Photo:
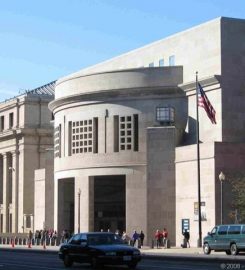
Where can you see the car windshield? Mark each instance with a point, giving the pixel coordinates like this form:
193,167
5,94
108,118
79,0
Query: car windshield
104,239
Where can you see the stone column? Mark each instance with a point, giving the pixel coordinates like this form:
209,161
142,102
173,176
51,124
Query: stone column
15,174
5,193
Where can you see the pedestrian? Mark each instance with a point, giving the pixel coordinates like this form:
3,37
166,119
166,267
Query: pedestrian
186,235
135,237
30,236
142,237
165,237
125,238
158,237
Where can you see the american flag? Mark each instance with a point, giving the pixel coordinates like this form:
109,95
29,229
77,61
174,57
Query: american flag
205,103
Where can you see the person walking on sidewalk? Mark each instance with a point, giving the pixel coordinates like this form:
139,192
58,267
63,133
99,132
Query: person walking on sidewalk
158,237
135,237
186,235
165,237
141,237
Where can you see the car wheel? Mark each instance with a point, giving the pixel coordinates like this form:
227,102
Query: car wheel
132,265
234,249
206,249
67,261
94,263
228,252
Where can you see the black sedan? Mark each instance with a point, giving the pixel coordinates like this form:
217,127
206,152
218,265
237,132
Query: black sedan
99,249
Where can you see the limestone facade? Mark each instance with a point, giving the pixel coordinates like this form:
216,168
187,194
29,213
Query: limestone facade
106,125
25,135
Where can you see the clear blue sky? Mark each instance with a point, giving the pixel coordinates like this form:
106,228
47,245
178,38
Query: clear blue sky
41,40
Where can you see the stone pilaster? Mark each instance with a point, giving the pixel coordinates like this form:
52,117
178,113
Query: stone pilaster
5,193
15,173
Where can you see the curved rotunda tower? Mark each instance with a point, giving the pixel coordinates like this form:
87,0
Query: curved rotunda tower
115,138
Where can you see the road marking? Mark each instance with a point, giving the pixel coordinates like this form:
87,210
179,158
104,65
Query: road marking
30,266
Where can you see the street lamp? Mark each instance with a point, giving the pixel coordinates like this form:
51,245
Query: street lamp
221,178
78,216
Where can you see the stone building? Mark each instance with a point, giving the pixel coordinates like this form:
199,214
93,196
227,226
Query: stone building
25,135
125,152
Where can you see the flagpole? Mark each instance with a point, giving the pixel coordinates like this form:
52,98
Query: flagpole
198,169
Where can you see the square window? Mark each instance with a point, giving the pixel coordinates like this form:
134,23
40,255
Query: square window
77,123
85,136
90,122
81,123
77,130
122,140
85,129
90,129
77,143
85,122
81,143
81,129
122,126
128,125
81,136
90,135
128,118
122,133
129,132
122,147
77,150
85,143
129,146
73,151
90,142
90,149
85,150
73,124
122,119
77,137
129,140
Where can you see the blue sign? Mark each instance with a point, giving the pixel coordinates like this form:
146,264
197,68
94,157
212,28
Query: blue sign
185,224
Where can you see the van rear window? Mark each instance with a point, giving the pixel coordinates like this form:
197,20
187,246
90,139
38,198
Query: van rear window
234,229
222,230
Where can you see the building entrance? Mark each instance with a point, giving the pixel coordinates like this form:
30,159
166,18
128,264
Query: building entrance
66,205
109,203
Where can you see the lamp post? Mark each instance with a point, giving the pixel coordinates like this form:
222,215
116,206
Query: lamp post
78,216
221,178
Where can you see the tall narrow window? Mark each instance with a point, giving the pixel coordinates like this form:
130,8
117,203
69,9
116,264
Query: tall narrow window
171,60
11,120
95,135
69,137
161,63
57,141
2,123
136,132
116,133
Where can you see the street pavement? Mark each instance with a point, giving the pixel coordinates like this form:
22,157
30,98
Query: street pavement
169,253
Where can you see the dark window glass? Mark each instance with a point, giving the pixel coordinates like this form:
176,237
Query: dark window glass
222,230
234,229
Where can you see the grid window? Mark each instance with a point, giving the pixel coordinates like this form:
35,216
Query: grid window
82,137
125,139
165,115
